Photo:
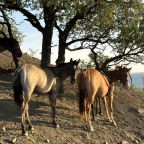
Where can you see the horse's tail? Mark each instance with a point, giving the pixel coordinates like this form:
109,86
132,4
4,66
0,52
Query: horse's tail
82,93
17,87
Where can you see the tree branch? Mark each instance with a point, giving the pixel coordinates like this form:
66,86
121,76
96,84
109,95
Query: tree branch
31,18
7,23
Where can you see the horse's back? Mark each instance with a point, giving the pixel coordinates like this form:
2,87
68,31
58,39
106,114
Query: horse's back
36,78
95,82
99,82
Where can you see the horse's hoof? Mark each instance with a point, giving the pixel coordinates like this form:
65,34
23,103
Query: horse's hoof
30,128
91,129
25,134
100,113
93,119
56,126
32,131
114,123
86,128
110,120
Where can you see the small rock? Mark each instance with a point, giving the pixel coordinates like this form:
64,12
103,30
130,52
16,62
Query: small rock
47,140
141,110
124,142
1,141
136,141
29,138
106,142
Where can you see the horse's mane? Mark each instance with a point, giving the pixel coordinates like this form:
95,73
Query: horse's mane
8,39
61,64
120,68
8,42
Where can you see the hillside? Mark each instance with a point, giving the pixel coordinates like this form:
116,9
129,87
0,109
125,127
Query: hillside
128,113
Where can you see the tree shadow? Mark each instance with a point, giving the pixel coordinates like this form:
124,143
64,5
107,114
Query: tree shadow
8,111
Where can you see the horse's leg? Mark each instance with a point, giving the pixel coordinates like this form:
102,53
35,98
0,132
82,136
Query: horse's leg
106,107
25,113
99,103
30,127
85,114
93,115
98,106
111,106
52,100
16,61
24,105
90,101
88,117
96,101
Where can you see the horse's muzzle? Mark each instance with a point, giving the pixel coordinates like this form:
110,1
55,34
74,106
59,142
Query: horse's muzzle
19,55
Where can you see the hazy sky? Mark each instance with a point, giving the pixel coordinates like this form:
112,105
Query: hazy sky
33,40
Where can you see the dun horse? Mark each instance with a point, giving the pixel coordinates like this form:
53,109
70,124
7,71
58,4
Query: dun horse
92,84
30,78
119,74
12,45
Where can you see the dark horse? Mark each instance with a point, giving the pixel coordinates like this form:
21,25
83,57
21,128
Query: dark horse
92,84
63,76
29,78
119,74
12,45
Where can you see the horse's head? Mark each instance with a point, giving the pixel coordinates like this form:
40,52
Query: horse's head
74,72
15,48
124,76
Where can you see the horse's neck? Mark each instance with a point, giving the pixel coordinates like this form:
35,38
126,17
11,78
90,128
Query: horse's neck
4,45
113,75
60,72
2,48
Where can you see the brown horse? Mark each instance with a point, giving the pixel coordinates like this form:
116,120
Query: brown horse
29,79
119,74
12,45
92,84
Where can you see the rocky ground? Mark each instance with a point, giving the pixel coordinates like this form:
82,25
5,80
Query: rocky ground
128,113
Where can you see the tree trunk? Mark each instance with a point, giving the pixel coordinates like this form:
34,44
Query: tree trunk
61,50
46,47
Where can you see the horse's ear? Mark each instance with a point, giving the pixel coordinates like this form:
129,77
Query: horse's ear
71,60
78,61
129,69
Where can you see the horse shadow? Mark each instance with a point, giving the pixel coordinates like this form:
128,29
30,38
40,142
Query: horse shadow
10,112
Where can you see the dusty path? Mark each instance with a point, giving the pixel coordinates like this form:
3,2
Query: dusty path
130,126
128,113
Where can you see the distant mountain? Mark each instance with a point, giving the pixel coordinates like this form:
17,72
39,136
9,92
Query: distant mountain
138,79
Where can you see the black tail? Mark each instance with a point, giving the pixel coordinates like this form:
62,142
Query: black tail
17,87
82,87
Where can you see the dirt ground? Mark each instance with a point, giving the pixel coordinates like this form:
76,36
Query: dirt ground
128,113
